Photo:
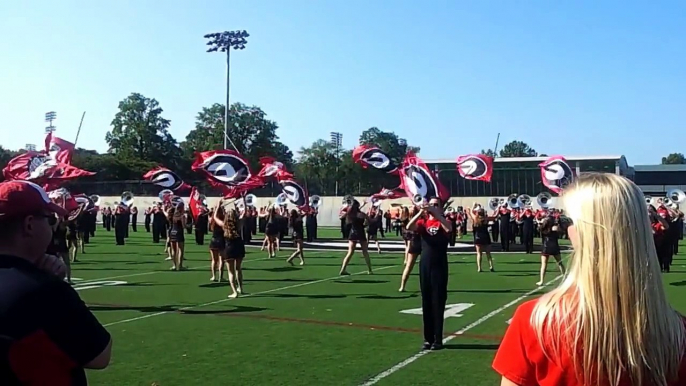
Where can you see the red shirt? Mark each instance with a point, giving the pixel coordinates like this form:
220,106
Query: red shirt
520,357
429,226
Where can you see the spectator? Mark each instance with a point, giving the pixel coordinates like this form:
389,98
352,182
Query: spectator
48,335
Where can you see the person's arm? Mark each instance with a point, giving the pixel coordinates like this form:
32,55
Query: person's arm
412,224
73,328
436,212
506,382
218,222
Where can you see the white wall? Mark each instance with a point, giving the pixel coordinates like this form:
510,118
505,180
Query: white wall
328,211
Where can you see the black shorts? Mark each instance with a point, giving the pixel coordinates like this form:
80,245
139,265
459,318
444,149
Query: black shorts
415,247
217,244
357,236
235,250
298,236
271,230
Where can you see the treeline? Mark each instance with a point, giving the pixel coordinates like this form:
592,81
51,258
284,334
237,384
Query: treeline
139,140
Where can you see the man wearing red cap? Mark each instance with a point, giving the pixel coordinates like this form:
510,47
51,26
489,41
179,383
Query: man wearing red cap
47,334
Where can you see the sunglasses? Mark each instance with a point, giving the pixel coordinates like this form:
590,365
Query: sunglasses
52,220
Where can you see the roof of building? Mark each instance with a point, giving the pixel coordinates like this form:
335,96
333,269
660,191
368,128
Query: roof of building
537,159
659,168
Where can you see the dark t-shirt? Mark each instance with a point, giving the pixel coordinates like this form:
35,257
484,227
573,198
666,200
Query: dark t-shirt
434,241
47,333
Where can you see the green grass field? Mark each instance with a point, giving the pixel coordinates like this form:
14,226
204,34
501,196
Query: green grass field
297,325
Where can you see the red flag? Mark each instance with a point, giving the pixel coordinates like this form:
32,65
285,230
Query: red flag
59,149
376,158
417,179
166,178
41,168
475,167
195,205
273,168
389,194
556,173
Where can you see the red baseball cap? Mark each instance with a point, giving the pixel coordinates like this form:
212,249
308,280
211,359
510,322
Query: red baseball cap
19,198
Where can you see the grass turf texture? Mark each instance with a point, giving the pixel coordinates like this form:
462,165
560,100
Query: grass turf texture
296,325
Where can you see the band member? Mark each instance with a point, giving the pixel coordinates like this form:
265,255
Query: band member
72,240
413,248
434,230
551,228
374,225
148,215
271,231
245,224
217,245
679,231
201,227
234,250
177,241
482,239
311,224
296,223
159,230
502,213
355,220
189,223
345,226
527,220
127,222
452,217
661,223
134,219
120,227
106,213
58,246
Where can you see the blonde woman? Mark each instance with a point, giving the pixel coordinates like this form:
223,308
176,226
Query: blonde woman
608,323
177,240
234,249
413,247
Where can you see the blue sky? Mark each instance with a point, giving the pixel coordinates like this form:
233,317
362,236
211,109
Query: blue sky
572,78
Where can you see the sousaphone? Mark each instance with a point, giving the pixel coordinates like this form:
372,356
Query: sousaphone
315,201
513,200
126,199
543,200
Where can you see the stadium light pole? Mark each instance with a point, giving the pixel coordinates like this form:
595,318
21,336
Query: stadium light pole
49,117
336,141
30,147
224,42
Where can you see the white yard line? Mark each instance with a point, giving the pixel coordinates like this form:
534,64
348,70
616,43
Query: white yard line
245,296
82,281
408,361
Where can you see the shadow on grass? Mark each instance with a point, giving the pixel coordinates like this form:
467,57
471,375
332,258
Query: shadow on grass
232,310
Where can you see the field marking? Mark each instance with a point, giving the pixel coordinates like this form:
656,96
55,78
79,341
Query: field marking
406,362
82,281
245,296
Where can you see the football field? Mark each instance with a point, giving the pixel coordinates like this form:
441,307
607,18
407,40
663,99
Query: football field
299,325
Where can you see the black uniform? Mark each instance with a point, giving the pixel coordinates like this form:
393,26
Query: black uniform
504,225
528,231
433,279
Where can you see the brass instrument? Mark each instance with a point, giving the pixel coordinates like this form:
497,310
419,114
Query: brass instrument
281,199
513,200
126,199
494,203
96,199
348,200
543,200
418,199
524,200
315,201
674,198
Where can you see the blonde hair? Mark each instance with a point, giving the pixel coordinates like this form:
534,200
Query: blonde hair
611,311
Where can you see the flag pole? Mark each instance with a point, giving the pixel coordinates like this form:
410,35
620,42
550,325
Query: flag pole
79,131
495,149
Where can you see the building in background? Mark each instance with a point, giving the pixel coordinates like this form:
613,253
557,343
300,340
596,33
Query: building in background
520,175
656,180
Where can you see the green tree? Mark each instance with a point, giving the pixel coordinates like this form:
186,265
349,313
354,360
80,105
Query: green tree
387,141
140,132
249,129
518,149
488,152
674,159
316,166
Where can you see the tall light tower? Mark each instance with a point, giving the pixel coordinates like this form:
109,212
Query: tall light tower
224,42
337,141
49,117
30,147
